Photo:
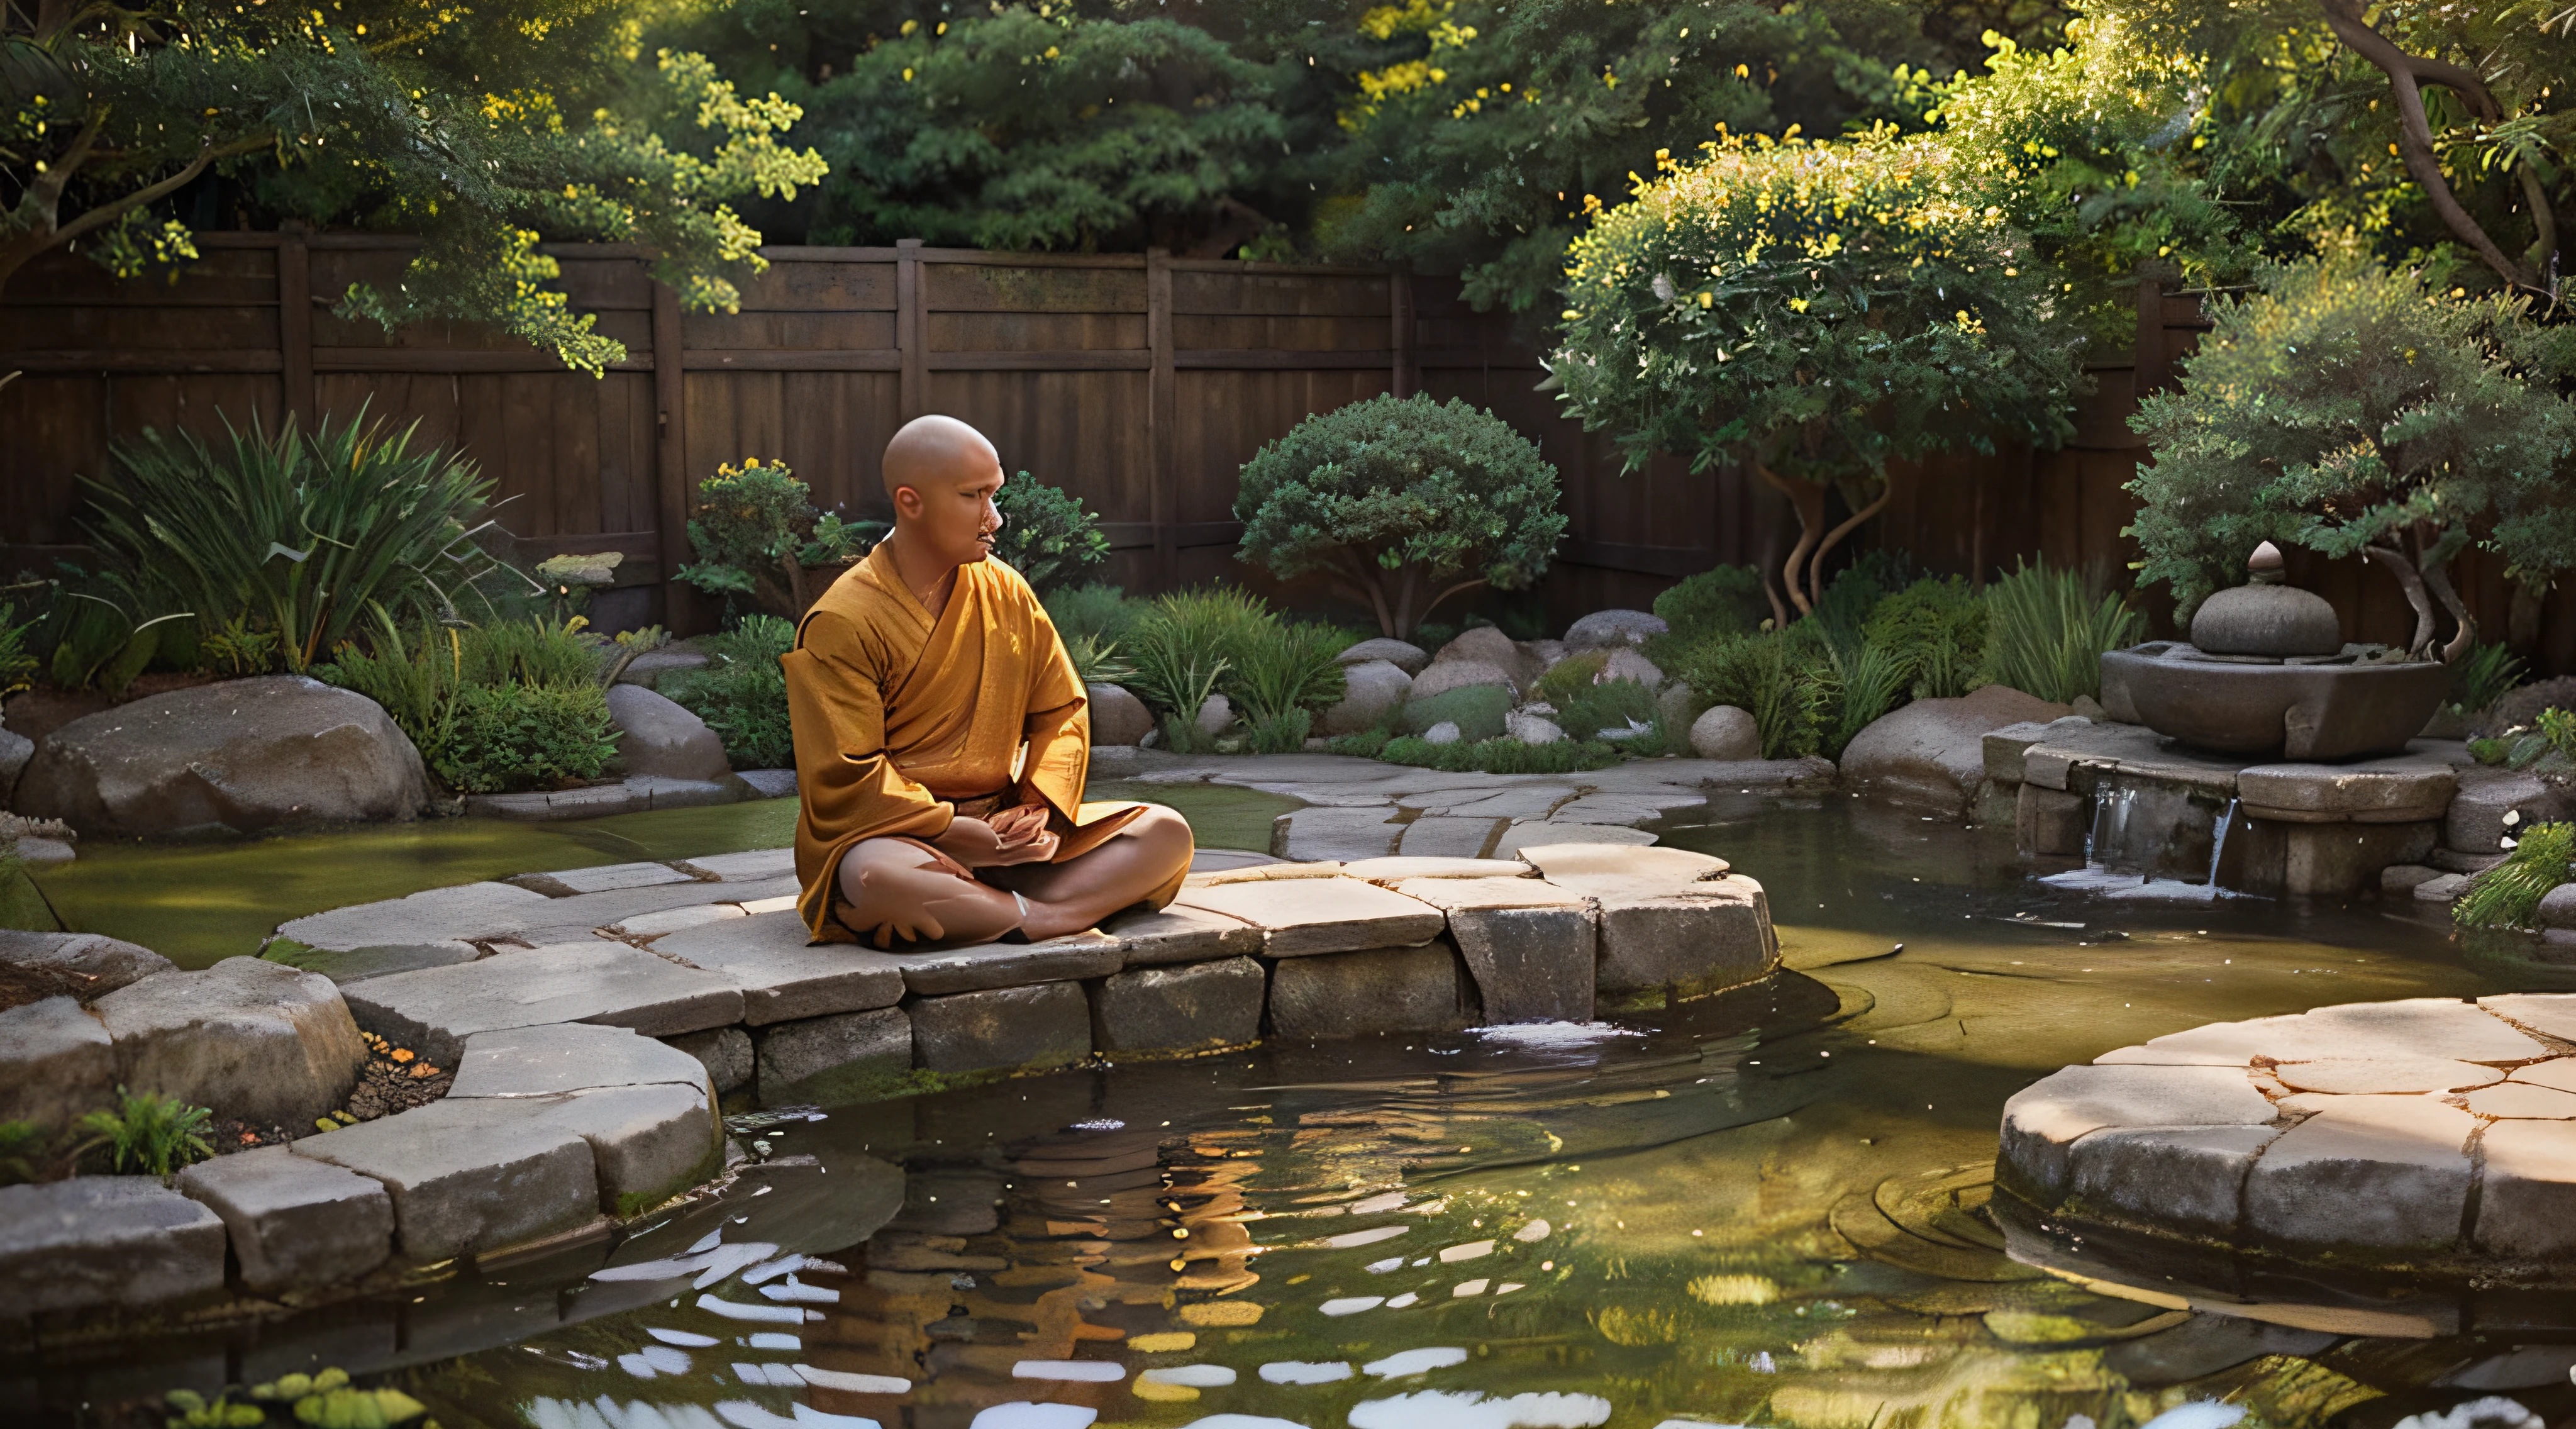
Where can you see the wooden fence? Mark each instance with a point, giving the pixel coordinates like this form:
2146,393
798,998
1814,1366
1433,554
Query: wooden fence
1138,383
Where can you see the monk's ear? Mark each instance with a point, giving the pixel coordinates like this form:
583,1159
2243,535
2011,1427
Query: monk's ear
907,502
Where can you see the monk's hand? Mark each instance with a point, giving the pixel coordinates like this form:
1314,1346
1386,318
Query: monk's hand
1019,825
977,844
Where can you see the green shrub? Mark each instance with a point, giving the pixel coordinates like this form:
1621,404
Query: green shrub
1569,677
22,1149
1872,680
2509,894
2478,679
1098,664
1938,627
17,663
1046,535
1286,669
755,530
300,536
741,692
1728,600
1401,503
1103,612
514,736
503,706
1477,710
1611,704
533,651
2046,632
1499,756
416,682
148,1133
1783,678
1367,744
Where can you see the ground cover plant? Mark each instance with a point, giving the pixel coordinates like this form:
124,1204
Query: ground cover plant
2046,632
1189,645
2508,895
147,1134
741,692
497,707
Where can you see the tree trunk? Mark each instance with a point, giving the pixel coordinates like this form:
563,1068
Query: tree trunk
2413,584
1833,538
1809,501
2433,559
2522,625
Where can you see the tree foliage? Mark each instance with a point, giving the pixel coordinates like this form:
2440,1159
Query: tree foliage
2357,411
1401,502
479,129
1813,312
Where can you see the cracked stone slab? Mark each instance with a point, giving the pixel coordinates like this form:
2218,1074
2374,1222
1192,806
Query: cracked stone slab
2186,1177
1318,833
1299,917
2552,1014
2367,1075
436,1009
296,1223
2400,789
782,979
2527,1197
647,1142
465,911
1180,934
608,878
1071,958
1264,873
2521,1101
1642,807
568,919
672,920
1521,837
1388,872
2425,1026
2559,1073
469,1175
1437,836
749,866
2386,1174
1529,803
98,1241
2044,1120
1594,868
570,1057
350,965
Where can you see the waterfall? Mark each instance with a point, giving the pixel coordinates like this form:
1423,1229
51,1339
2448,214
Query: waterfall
2218,843
2109,831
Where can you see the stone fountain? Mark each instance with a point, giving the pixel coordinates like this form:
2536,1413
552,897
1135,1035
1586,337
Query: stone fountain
2267,674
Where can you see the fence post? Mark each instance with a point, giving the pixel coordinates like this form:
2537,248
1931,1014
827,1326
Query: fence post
2152,367
1159,436
1399,306
671,453
909,328
295,325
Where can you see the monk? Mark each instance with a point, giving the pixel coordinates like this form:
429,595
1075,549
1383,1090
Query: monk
943,737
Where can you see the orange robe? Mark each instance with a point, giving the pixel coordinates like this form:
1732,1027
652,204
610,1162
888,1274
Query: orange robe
898,717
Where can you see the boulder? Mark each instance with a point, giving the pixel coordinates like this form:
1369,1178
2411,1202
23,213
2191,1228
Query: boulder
1117,717
250,1038
1605,628
98,1241
1403,655
1541,654
2521,707
56,1064
2476,820
237,757
85,965
1680,705
1726,733
1215,715
659,737
1627,664
15,750
1371,692
1442,676
1445,732
1484,644
296,1223
1531,728
1932,753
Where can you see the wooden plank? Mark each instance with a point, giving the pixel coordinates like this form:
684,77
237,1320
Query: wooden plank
1114,360
792,332
455,360
670,465
1280,360
295,328
1355,293
866,285
1160,427
908,332
1399,312
139,360
706,359
1032,288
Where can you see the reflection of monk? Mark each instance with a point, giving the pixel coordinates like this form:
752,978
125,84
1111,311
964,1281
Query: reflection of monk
942,737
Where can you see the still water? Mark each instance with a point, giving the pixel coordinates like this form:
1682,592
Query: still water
1761,1208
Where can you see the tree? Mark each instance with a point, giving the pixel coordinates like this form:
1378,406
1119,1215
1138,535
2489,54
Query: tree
481,129
2356,411
1814,312
1401,503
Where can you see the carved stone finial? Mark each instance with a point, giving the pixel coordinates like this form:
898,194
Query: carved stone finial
2265,566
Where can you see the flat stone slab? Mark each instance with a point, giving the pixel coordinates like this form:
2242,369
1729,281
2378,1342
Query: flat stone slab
2527,1195
1539,834
1005,1028
2043,1120
1180,934
470,1175
1601,869
85,966
749,866
1313,833
845,1057
2422,1026
2071,757
436,1009
1389,872
2380,1174
1301,917
1357,994
569,1057
465,911
607,878
1452,894
56,1064
2399,789
725,1052
647,1143
1440,836
782,979
989,965
2552,1014
1530,961
94,1242
1191,1007
769,783
1700,938
250,1038
348,965
2367,1075
296,1223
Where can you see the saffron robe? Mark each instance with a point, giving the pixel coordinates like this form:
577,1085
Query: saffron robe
899,717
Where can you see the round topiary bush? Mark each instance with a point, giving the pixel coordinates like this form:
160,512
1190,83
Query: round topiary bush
1401,502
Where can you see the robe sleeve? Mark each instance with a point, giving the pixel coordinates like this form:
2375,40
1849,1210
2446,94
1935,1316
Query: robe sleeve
1058,728
850,788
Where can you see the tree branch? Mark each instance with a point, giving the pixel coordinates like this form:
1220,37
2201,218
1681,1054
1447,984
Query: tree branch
2435,563
1808,500
1833,538
1434,602
2413,584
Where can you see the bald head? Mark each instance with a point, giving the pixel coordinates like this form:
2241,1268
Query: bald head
935,452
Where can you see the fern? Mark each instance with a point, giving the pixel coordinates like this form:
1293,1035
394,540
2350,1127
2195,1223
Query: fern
2509,894
149,1133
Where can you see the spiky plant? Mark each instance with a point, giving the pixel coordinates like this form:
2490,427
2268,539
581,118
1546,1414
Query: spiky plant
2509,894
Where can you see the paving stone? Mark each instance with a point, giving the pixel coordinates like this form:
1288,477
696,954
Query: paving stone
1190,1008
2045,1119
1658,949
1434,836
1217,860
572,919
250,1038
569,1057
2552,1014
436,1009
296,1223
1384,990
2521,1101
2559,1073
781,978
466,911
2184,1178
1321,915
1628,809
1071,958
2362,1075
725,1052
646,926
2375,1174
1535,802
845,1057
769,783
98,1241
1534,834
470,1174
1388,872
344,966
56,1064
1607,868
2527,1197
1012,1027
2424,1026
1180,934
1320,833
2400,880
750,866
552,805
1530,964
2387,791
84,965
647,1143
2007,748
2074,755
609,878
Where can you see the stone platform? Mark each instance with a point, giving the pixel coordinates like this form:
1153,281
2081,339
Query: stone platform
2426,1137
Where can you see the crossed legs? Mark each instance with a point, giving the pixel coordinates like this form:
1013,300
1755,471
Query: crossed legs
893,890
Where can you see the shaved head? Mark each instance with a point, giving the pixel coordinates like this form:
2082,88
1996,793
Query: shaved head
937,450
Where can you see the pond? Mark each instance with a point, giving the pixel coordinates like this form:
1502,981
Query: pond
1755,1209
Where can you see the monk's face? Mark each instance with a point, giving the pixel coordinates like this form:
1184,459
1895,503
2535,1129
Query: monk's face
948,511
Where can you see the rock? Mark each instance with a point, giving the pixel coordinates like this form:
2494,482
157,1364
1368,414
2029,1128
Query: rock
781,978
1530,946
2089,709
2445,888
1012,1027
1534,833
45,853
1627,664
454,913
769,783
2365,1073
608,878
250,1038
757,865
2330,860
2374,1173
2044,1120
2404,789
1445,732
2527,1198
1179,934
1605,868
1372,691
846,1057
470,1175
2271,620
647,1143
1605,628
2184,1177
238,757
1403,655
2008,748
1382,990
1931,753
15,750
1681,706
296,1223
56,1064
1660,949
1215,715
1117,717
1074,956
1435,836
1170,1010
1482,645
93,1242
2049,822
2520,708
435,1009
1326,832
2401,879
651,667
86,966
1725,732
661,738
2475,822
2550,1014
1304,916
725,1052
2558,907
570,1057
345,966
1442,676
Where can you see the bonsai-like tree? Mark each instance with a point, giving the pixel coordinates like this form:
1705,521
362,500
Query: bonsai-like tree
1814,312
2350,409
1401,503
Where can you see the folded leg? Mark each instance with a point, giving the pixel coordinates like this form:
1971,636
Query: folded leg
1143,862
895,890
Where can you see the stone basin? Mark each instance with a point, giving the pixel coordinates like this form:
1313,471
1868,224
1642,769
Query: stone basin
2298,711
